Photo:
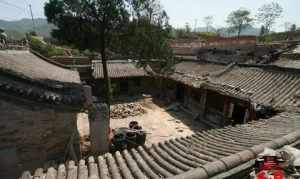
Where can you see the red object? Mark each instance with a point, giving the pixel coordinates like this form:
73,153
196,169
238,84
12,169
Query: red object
277,174
270,168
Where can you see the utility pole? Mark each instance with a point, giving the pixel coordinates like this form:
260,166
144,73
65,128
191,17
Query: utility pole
32,17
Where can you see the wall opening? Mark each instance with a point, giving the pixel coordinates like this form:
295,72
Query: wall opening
238,114
180,93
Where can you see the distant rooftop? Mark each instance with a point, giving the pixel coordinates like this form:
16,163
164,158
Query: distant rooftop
119,69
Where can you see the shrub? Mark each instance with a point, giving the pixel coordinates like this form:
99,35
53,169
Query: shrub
45,49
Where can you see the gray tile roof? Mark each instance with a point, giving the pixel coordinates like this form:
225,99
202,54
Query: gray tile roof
201,155
266,84
26,76
30,66
118,69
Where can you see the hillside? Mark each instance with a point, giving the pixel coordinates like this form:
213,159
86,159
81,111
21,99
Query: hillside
17,29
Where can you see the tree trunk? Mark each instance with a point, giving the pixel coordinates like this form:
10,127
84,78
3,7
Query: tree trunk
105,71
106,77
239,31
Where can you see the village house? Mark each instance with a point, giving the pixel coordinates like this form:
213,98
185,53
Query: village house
39,103
127,78
218,95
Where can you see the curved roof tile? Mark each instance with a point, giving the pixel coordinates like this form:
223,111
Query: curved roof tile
225,147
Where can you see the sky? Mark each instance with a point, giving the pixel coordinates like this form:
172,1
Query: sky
179,11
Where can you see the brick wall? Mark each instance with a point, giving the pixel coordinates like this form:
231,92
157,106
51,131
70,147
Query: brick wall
31,135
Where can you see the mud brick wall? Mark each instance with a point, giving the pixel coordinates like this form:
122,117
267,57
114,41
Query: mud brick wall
31,135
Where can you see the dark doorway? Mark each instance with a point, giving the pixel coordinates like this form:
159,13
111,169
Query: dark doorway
124,86
238,114
180,93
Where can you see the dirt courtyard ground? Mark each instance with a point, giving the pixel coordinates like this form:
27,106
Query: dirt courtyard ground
159,123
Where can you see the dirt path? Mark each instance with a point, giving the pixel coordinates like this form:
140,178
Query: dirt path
159,124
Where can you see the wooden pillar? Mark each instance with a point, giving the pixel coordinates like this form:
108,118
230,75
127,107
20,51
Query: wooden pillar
203,103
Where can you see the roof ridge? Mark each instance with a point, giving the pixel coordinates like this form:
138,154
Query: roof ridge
271,67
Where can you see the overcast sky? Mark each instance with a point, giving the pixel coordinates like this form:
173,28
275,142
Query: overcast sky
180,11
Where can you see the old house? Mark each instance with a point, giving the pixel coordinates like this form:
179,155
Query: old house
127,78
39,102
231,94
216,105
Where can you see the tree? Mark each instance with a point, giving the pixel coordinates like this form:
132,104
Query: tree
262,30
146,35
238,20
99,25
268,13
208,21
293,28
88,24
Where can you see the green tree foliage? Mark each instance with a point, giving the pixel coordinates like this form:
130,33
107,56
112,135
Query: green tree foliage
238,20
146,35
268,13
99,25
293,28
43,48
262,30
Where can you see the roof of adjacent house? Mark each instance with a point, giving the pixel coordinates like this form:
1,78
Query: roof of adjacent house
200,74
287,62
119,69
26,76
202,155
264,84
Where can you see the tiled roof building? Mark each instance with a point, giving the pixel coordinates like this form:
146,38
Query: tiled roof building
39,102
118,69
201,155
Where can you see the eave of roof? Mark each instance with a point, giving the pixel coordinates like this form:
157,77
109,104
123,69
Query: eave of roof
202,155
22,80
29,66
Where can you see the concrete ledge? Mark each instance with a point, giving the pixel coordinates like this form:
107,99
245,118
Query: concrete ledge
272,145
198,173
246,155
231,161
292,137
257,149
214,168
281,141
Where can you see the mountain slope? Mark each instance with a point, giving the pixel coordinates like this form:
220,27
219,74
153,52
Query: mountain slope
17,29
